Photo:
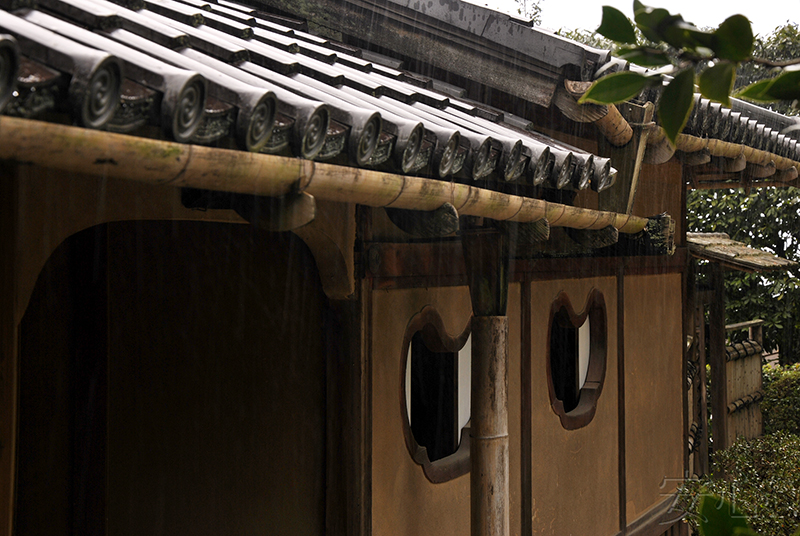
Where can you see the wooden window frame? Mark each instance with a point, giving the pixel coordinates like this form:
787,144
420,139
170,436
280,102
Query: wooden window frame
429,323
595,310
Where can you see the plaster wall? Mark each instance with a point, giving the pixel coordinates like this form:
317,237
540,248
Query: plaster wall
574,473
653,390
404,501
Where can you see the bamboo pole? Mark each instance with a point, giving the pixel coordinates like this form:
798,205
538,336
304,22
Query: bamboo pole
607,118
691,144
489,486
79,150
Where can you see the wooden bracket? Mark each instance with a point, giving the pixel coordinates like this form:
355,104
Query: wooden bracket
626,159
436,223
593,239
331,239
276,214
269,213
524,233
657,238
327,228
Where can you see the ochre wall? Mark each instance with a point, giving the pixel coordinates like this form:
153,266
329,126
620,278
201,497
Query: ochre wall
404,501
653,390
574,488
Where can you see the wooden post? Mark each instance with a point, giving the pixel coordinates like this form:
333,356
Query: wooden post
349,467
486,257
8,346
701,455
719,374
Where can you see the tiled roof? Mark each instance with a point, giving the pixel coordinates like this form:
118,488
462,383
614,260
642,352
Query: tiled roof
718,247
220,73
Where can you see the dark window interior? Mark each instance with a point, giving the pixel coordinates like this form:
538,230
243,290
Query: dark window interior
434,399
564,359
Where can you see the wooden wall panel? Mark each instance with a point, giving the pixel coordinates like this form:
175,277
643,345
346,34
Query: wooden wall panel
216,382
574,473
653,390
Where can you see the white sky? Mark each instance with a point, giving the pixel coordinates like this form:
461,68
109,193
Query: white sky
765,15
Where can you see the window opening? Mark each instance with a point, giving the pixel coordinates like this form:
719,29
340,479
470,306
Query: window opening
437,379
434,399
577,358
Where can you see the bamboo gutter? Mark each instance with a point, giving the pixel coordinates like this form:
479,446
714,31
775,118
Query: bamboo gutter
159,162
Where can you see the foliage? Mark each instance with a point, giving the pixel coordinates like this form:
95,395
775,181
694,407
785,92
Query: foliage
684,50
586,37
765,218
762,482
782,45
781,405
718,517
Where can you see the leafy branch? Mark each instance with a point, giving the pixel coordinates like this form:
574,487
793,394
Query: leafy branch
698,60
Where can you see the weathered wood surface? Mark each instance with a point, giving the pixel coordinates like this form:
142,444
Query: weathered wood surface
719,247
719,370
692,144
157,162
8,352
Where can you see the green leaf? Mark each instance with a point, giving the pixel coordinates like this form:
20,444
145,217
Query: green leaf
716,83
654,22
616,26
719,517
785,86
676,104
756,92
681,34
734,39
646,57
618,87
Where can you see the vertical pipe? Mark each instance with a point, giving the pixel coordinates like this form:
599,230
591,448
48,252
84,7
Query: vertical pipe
489,432
487,260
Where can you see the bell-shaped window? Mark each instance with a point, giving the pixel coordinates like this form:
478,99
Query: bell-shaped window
577,348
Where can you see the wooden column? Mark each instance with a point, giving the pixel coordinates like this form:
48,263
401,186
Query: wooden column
716,345
701,454
486,256
8,344
349,455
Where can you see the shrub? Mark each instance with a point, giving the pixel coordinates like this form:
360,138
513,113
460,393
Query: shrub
781,405
763,482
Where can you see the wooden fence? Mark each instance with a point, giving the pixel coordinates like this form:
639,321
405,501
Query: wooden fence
731,408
